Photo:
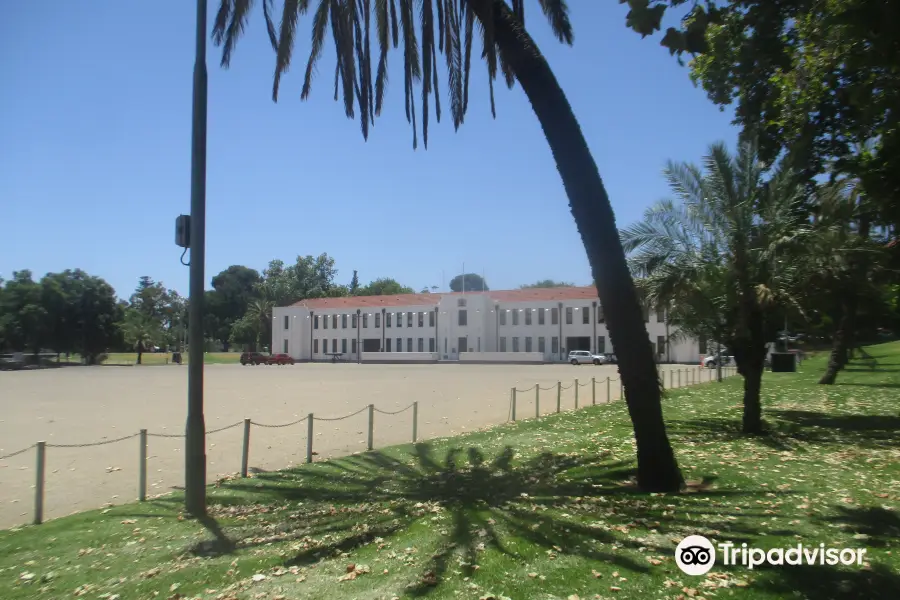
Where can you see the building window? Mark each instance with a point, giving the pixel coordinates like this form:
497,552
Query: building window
660,344
445,346
554,316
353,346
387,319
431,344
431,319
388,343
421,345
399,319
409,344
334,321
515,343
541,316
324,321
528,344
515,315
421,319
460,302
316,322
660,314
601,344
601,318
503,344
554,344
542,345
463,318
287,322
285,347
344,321
528,316
502,316
334,345
365,320
409,319
568,315
315,346
585,315
399,342
344,345
702,344
354,321
325,346
377,320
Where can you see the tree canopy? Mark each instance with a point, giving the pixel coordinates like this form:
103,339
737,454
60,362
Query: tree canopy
468,282
547,283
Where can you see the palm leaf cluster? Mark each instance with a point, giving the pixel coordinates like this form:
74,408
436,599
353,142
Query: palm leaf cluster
421,29
724,242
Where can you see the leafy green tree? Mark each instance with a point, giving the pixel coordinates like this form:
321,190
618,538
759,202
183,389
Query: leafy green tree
468,282
448,27
814,78
354,284
233,290
141,331
24,319
724,249
546,283
384,286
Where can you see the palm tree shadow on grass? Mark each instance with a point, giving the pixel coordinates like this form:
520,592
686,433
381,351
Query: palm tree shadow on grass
571,504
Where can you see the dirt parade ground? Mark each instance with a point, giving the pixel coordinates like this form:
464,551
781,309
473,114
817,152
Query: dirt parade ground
84,405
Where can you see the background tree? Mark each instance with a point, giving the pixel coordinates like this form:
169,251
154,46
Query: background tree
468,282
384,286
717,251
24,318
233,290
354,283
448,27
546,283
141,331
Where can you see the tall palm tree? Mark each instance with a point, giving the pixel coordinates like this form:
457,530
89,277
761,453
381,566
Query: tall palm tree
259,311
448,27
719,255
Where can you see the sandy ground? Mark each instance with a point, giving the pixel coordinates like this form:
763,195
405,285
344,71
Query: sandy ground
77,405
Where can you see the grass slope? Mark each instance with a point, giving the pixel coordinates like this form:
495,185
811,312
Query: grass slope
531,510
161,358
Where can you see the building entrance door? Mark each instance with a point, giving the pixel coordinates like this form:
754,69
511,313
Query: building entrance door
463,343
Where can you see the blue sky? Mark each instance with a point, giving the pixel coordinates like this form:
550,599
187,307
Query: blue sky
95,160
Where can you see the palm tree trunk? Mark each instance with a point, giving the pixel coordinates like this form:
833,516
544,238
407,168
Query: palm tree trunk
842,338
657,468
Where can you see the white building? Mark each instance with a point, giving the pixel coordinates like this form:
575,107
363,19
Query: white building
527,325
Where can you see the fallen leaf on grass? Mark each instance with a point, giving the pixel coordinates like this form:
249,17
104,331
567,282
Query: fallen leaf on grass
151,573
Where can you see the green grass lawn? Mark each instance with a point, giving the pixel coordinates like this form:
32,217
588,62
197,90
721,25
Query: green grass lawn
160,358
532,510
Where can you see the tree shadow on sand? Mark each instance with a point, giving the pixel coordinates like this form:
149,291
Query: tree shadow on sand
578,505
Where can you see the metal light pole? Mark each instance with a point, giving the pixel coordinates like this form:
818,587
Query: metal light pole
195,430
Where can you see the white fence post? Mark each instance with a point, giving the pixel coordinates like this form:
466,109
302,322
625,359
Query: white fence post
245,451
512,397
558,396
415,421
593,391
142,466
309,438
537,400
39,483
576,394
369,443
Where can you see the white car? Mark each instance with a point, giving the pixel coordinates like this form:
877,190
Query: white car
710,361
584,357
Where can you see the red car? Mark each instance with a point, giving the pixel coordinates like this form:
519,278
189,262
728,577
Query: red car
280,359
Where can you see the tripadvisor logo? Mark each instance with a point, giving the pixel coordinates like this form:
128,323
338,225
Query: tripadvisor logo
696,555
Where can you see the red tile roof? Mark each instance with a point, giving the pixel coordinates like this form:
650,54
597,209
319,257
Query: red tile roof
523,295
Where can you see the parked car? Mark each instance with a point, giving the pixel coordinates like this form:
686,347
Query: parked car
584,357
253,358
712,360
280,359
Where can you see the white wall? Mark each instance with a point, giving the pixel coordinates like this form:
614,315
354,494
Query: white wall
535,357
390,357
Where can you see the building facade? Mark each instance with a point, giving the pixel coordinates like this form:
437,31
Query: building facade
540,324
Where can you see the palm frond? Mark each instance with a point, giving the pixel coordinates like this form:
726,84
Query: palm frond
557,13
290,14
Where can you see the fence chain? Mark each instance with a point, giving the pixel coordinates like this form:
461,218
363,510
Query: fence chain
103,443
166,435
526,390
396,412
278,426
550,387
566,387
18,452
584,384
341,418
224,428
